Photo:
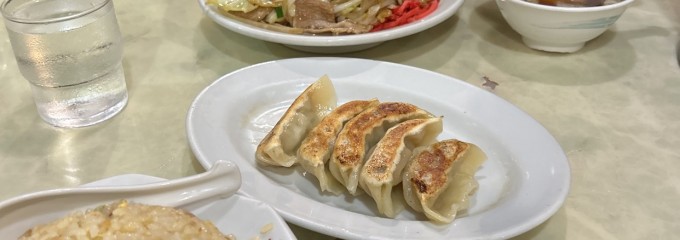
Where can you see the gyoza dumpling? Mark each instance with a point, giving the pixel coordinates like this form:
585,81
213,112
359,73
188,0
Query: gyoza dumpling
279,147
316,148
384,166
361,133
440,178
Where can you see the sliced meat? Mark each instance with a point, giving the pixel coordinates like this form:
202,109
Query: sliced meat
317,17
310,13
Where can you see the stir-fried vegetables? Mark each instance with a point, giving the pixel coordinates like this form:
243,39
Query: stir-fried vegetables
233,5
327,16
362,11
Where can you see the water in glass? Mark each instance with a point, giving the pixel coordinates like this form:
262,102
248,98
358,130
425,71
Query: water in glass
74,65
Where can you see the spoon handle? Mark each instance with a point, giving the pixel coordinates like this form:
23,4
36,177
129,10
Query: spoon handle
222,180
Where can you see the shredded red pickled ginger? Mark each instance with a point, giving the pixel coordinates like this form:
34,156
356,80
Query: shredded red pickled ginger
407,12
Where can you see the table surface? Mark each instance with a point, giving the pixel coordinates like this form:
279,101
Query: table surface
614,107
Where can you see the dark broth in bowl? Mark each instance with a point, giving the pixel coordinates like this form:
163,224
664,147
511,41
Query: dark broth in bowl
575,3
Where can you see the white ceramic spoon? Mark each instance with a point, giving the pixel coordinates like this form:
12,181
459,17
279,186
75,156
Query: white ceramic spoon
23,212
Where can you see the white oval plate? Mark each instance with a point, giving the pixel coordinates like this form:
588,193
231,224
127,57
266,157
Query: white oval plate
237,215
523,182
334,44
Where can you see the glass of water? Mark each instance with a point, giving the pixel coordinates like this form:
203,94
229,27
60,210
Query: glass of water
71,53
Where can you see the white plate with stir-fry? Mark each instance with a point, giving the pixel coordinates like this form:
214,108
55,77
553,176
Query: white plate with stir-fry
329,26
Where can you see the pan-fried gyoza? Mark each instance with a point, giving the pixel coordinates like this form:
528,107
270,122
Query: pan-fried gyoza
388,150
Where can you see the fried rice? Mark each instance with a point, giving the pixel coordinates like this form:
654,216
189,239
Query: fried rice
126,220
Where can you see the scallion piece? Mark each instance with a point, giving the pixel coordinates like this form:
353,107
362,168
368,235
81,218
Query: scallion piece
279,12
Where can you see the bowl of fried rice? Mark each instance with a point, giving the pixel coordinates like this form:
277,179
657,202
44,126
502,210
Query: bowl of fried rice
90,215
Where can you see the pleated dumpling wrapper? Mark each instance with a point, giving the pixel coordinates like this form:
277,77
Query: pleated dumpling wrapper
440,179
383,168
279,147
316,148
361,133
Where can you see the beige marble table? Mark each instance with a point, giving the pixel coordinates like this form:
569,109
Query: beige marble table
614,107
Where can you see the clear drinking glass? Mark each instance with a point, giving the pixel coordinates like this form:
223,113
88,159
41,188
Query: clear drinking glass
71,53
